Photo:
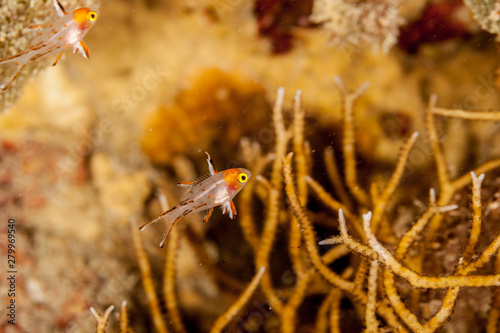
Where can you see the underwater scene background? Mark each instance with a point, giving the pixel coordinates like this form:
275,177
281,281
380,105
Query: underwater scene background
379,108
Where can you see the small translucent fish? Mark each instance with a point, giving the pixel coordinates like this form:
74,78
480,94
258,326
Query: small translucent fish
218,189
55,37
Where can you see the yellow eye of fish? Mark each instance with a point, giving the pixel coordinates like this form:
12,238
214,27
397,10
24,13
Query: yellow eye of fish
92,16
242,177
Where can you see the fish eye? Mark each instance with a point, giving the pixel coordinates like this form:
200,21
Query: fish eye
92,16
242,177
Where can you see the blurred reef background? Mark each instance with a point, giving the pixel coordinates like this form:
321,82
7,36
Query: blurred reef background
87,146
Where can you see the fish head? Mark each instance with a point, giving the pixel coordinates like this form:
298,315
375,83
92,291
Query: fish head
85,18
236,178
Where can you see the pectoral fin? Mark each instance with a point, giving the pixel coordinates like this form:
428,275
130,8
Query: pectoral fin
83,49
229,208
233,210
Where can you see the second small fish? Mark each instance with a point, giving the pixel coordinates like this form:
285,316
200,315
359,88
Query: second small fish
218,189
55,37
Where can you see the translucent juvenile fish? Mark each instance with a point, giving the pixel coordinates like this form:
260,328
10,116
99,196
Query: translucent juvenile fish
218,189
55,37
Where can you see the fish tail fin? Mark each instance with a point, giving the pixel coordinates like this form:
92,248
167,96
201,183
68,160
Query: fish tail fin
9,70
161,226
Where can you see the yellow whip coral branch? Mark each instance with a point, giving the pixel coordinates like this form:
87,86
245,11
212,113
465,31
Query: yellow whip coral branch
309,239
448,187
333,204
169,276
442,168
147,281
252,151
322,315
331,303
465,179
378,252
470,115
410,236
227,316
370,318
468,266
301,164
494,315
288,318
451,295
333,173
335,311
298,147
420,281
449,299
448,302
388,191
124,318
308,231
271,221
101,320
477,219
348,140
445,185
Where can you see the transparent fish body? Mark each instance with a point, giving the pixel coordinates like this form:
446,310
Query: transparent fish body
218,189
67,31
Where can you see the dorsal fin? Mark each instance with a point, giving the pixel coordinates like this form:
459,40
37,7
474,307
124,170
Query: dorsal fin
191,183
211,166
59,8
186,186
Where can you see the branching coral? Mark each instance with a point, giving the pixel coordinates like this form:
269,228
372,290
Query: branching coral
385,274
375,252
102,321
148,283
